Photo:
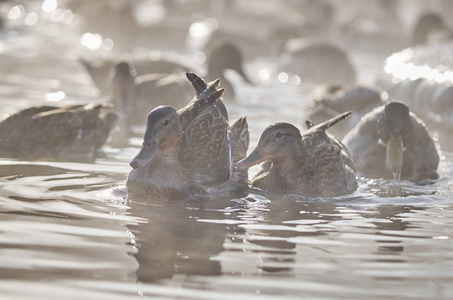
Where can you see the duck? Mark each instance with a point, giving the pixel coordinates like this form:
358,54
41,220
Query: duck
102,70
68,133
392,142
222,56
135,95
430,27
330,100
226,55
318,61
189,153
312,164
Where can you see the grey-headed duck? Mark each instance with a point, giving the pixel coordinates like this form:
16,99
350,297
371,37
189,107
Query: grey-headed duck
189,153
311,164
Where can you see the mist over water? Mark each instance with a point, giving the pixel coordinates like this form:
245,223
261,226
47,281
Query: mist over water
69,231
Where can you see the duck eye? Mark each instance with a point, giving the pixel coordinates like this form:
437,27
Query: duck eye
166,122
278,135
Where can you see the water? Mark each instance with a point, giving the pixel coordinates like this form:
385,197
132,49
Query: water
67,232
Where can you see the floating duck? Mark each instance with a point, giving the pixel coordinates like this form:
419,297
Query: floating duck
223,56
134,96
430,27
312,164
392,140
329,101
188,153
69,133
317,61
226,56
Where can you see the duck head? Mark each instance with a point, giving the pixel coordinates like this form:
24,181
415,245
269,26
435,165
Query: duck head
394,128
279,143
226,56
122,85
163,133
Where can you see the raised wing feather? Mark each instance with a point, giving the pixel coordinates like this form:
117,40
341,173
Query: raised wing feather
206,148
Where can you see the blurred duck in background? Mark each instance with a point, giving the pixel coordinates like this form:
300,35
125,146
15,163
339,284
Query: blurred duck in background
430,27
372,25
312,164
392,141
328,101
317,61
69,133
152,71
261,28
189,152
134,96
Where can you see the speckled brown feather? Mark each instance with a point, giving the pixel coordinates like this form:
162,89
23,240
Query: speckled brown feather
312,164
71,133
327,166
201,156
205,145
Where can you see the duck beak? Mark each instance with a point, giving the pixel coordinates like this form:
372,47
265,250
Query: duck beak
394,154
144,156
258,155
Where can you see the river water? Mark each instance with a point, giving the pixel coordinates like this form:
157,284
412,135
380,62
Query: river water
67,232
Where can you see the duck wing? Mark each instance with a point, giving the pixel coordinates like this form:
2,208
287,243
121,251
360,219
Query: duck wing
206,95
326,124
206,146
329,167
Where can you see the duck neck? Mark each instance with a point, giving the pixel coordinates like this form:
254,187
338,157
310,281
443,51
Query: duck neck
287,166
163,177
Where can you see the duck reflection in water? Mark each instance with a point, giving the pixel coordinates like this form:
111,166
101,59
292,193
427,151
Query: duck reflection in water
188,153
173,241
313,164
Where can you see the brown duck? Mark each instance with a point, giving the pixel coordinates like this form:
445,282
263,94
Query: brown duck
392,140
190,152
313,164
69,133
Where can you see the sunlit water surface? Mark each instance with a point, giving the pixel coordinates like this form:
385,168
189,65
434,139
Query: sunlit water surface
67,232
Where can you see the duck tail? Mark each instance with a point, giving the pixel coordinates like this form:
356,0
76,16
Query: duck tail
208,92
205,95
309,124
329,123
240,139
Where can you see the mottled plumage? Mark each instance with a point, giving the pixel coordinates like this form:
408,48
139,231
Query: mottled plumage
312,164
369,144
186,151
70,133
